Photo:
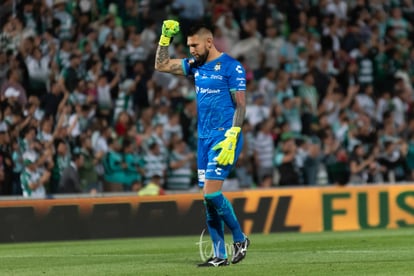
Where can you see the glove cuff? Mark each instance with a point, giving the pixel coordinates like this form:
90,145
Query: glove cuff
164,40
233,132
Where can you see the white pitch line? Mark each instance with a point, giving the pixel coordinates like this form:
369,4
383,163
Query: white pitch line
68,255
375,251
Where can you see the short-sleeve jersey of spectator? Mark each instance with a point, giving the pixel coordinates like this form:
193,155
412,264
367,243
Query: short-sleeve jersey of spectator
214,83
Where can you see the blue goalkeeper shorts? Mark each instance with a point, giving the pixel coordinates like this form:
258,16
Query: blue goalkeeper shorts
207,166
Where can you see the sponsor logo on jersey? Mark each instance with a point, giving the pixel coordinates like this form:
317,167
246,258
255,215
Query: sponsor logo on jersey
216,77
218,171
239,69
207,90
217,67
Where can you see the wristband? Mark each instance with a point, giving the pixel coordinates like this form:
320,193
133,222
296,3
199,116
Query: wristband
164,40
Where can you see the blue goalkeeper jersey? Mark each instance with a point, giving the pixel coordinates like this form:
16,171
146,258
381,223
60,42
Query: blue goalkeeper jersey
214,82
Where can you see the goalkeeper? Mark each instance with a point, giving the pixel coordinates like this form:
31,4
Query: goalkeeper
220,84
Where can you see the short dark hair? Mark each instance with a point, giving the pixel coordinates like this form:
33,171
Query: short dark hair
200,27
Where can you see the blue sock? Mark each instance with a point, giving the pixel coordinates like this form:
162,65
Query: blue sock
215,227
226,212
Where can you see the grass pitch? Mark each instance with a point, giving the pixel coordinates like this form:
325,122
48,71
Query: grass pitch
368,252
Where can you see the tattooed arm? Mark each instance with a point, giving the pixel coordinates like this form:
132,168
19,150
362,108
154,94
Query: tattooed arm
240,99
163,63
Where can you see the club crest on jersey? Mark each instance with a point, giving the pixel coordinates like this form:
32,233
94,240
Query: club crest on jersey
217,67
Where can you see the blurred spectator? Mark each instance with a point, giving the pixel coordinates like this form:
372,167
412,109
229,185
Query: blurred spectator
161,113
4,67
283,88
291,112
113,167
188,123
144,123
331,39
172,128
13,88
149,36
63,19
45,134
141,92
135,50
39,71
122,124
360,165
293,9
309,99
51,101
245,165
366,101
352,38
94,69
393,158
349,76
398,22
62,159
134,167
34,177
79,120
338,8
258,111
272,44
70,74
18,167
312,161
88,174
70,182
410,155
6,162
154,162
335,159
153,187
267,85
264,152
229,27
365,65
180,166
250,47
104,99
286,162
289,50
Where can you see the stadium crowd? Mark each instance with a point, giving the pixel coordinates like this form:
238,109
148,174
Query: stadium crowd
329,94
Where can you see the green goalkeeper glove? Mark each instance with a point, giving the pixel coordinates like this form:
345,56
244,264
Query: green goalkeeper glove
227,146
169,29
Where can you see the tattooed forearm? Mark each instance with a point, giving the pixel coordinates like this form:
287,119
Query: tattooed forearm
240,113
163,62
162,56
176,68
